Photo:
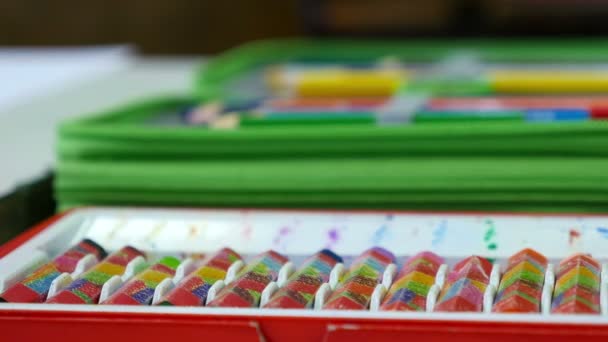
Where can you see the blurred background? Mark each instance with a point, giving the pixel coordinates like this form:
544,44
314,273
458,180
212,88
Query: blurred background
205,27
50,71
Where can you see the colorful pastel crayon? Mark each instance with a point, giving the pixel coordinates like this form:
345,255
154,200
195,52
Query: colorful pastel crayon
465,286
299,292
521,286
577,286
35,287
193,289
140,289
413,283
355,291
246,290
87,288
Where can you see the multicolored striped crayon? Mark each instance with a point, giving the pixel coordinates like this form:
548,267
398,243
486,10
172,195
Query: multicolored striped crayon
87,288
140,289
577,286
299,292
356,290
521,287
246,290
413,284
35,287
465,285
193,289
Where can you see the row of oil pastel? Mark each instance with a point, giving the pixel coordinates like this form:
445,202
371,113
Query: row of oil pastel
424,282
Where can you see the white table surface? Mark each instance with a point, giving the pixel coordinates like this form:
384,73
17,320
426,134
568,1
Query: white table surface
27,128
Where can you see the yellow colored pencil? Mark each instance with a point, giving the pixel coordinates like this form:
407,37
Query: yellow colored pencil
549,81
338,82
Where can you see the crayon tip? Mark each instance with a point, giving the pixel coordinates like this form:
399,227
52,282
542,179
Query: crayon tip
332,255
101,250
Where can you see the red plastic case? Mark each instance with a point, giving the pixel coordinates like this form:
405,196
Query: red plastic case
453,235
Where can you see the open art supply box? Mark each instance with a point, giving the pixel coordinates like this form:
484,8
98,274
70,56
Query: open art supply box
297,234
144,153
